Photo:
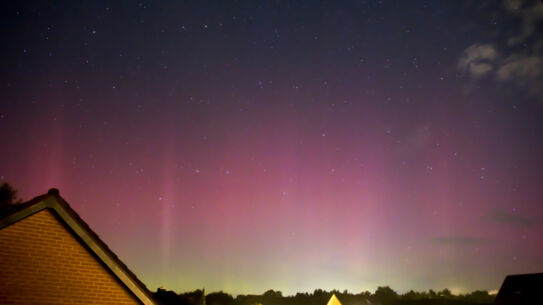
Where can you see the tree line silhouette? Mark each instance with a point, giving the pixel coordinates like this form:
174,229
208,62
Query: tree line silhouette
383,296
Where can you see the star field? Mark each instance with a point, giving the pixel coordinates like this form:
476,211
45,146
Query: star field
294,145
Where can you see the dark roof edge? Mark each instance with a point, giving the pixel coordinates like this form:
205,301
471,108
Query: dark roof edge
524,274
61,208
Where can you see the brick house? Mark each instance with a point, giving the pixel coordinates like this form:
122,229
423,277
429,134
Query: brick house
48,255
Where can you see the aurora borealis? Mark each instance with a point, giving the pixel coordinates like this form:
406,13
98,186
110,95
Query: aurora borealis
245,146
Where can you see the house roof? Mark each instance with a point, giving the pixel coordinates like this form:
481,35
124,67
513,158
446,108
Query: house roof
520,289
56,204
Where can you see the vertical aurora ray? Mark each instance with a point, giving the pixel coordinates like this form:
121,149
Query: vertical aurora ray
166,202
46,155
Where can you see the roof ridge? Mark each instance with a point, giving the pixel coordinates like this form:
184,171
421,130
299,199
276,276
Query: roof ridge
78,227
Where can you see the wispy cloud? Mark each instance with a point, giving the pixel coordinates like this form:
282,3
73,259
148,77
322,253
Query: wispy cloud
520,67
458,240
525,71
478,59
515,64
531,13
513,219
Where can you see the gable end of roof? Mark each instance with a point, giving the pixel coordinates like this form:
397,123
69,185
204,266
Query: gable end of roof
82,232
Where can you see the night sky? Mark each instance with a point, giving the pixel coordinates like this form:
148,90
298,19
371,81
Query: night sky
290,145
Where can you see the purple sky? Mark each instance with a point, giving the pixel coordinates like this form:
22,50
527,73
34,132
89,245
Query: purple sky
286,145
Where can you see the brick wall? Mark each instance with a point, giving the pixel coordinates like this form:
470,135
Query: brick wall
41,262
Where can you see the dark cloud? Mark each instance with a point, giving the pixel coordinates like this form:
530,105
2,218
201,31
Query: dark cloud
504,217
458,240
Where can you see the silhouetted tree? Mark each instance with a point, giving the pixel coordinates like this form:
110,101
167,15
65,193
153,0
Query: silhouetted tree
411,295
8,198
479,296
273,294
445,293
385,293
219,298
318,292
167,297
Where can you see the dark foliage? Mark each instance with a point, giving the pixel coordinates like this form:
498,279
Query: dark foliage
170,297
8,198
382,296
220,298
